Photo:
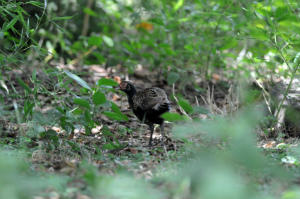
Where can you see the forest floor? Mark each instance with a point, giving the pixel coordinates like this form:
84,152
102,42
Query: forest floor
133,136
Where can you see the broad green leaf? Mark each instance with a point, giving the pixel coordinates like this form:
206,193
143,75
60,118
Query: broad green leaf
50,134
108,41
172,117
82,102
107,82
106,104
40,117
99,98
229,42
89,12
178,5
99,56
78,79
172,78
115,116
61,110
24,85
95,41
185,105
67,126
115,108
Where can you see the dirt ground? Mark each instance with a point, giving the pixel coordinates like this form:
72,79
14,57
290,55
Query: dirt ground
131,135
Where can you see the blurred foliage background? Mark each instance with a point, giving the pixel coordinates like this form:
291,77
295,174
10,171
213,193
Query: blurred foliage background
182,41
185,37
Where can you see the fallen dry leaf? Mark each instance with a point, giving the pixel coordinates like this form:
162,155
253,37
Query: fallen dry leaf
270,144
71,136
216,76
133,150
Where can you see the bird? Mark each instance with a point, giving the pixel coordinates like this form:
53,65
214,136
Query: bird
147,105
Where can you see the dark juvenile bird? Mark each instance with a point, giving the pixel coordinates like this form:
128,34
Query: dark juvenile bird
147,105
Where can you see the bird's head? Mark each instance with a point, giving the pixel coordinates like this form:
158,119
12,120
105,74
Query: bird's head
126,87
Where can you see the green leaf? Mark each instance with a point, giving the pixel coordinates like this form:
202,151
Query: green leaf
10,24
99,98
38,50
78,79
106,131
61,18
229,43
178,5
108,41
99,56
108,146
115,108
185,105
95,41
36,3
24,85
82,102
115,116
50,134
106,104
99,153
67,126
172,117
34,75
73,145
172,78
28,110
3,86
40,118
61,110
89,12
107,82
209,13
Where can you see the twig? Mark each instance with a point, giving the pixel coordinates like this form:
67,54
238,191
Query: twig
264,95
74,61
181,110
86,19
196,98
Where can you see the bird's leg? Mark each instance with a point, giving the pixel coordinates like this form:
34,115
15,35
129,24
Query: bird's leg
162,133
151,126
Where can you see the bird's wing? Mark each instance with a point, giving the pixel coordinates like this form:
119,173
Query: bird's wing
150,98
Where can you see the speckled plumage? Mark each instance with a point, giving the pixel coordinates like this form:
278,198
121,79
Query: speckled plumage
147,105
